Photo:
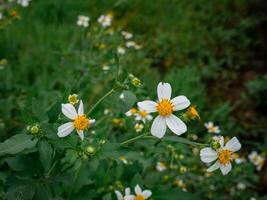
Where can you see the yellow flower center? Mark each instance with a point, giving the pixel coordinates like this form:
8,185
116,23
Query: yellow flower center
143,113
192,112
224,156
165,107
81,122
139,197
133,110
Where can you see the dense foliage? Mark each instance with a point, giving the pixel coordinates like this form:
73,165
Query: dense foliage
111,55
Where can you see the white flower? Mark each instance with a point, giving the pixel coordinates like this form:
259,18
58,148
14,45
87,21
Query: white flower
241,186
120,196
165,106
123,159
223,155
105,20
105,67
121,50
138,127
161,166
211,128
79,120
126,35
121,96
24,3
131,112
83,21
130,44
139,194
143,115
256,159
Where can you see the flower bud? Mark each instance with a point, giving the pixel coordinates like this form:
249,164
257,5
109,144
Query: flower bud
90,149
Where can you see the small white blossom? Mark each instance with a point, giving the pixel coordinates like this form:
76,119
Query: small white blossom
223,155
105,67
138,127
121,50
130,44
120,196
126,35
105,20
143,115
165,107
139,194
24,3
212,128
256,159
83,21
161,166
241,186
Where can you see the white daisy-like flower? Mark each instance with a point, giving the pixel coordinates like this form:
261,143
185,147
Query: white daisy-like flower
123,160
105,67
139,194
143,115
120,196
223,155
212,128
83,21
256,159
138,127
105,20
121,50
165,106
126,35
131,112
24,3
130,44
79,121
161,166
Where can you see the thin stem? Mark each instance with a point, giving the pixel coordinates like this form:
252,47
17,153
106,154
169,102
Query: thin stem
101,99
51,169
136,138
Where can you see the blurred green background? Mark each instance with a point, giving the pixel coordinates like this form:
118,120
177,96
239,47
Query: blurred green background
215,52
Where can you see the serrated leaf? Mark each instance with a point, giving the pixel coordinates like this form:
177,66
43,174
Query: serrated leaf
16,144
45,154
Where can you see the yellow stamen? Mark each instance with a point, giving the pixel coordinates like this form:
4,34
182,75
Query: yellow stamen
81,122
139,197
225,156
133,110
165,107
143,113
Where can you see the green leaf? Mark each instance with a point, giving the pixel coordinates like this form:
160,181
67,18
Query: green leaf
19,163
53,112
17,143
128,100
45,154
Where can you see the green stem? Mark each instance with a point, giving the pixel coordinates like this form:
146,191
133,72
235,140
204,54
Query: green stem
136,138
102,99
51,169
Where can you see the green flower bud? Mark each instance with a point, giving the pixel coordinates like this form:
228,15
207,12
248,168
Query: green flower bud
215,145
90,149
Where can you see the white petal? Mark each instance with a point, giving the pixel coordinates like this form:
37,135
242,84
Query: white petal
213,167
81,135
159,127
129,197
92,121
221,141
127,191
208,155
137,189
225,169
164,91
80,110
233,144
65,129
147,193
119,195
69,111
180,102
176,125
149,106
